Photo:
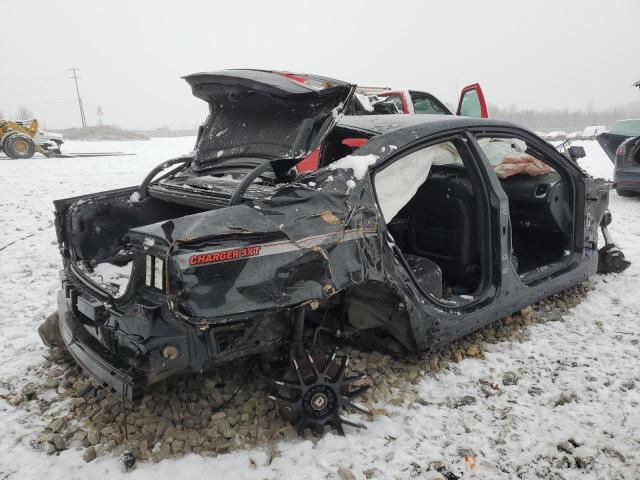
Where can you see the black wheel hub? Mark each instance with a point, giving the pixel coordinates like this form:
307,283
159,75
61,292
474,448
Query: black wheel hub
312,398
319,401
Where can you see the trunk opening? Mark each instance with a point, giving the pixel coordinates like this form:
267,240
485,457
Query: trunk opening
94,233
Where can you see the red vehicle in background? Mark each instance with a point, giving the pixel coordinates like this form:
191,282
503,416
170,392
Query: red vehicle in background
471,103
382,101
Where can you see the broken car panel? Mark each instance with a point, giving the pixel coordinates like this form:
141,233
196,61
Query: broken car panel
264,115
621,131
230,254
622,145
626,170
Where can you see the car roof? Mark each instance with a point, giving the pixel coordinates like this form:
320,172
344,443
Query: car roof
392,132
426,123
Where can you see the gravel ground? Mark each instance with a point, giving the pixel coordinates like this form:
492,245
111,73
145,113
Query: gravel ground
229,410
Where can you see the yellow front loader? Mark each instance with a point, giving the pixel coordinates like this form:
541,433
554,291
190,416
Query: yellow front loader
23,139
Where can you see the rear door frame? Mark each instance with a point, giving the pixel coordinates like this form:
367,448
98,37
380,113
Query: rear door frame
482,181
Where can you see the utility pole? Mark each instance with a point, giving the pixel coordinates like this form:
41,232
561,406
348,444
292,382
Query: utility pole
100,115
75,78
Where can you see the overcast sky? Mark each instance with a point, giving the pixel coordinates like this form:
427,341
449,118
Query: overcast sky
541,54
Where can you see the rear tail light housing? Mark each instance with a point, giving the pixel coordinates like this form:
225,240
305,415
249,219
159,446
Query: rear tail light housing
621,155
154,272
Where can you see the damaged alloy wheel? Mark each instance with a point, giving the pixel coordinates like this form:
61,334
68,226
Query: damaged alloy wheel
314,397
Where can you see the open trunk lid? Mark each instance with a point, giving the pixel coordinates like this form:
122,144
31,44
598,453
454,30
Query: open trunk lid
265,114
621,131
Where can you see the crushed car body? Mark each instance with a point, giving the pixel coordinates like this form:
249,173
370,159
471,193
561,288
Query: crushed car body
403,241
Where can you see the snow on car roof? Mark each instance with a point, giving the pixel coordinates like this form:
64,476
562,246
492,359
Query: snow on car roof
391,132
381,124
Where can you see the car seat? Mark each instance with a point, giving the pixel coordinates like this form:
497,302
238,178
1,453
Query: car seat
443,227
427,273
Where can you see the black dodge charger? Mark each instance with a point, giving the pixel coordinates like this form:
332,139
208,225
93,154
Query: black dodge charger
414,231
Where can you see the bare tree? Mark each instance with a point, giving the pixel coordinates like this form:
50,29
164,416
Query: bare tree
24,113
2,117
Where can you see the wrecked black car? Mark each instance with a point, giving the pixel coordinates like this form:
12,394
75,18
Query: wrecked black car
414,231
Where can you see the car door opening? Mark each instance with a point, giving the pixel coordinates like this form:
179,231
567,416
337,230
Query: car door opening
540,204
436,216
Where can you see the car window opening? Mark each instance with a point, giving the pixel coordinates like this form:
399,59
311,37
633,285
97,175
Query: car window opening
340,143
431,209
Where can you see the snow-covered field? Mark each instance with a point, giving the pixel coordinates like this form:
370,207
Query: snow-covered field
579,378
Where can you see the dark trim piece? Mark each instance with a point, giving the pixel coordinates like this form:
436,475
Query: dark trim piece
107,369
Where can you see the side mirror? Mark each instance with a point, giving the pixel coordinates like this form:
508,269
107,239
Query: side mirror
575,152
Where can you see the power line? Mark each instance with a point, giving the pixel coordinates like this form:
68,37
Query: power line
75,78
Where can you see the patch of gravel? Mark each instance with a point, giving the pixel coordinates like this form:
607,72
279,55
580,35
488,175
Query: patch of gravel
229,410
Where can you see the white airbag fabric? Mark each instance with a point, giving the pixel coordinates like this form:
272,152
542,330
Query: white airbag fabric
398,183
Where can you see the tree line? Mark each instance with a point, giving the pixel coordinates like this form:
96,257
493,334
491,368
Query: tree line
23,113
541,120
564,119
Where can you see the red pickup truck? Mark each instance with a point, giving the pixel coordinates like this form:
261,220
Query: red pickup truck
376,100
471,104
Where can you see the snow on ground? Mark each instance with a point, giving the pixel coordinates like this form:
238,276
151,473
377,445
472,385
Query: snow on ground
29,257
578,377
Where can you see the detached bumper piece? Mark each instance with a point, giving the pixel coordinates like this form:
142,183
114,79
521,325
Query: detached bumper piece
110,371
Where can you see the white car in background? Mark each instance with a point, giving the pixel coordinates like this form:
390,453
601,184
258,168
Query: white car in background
589,133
